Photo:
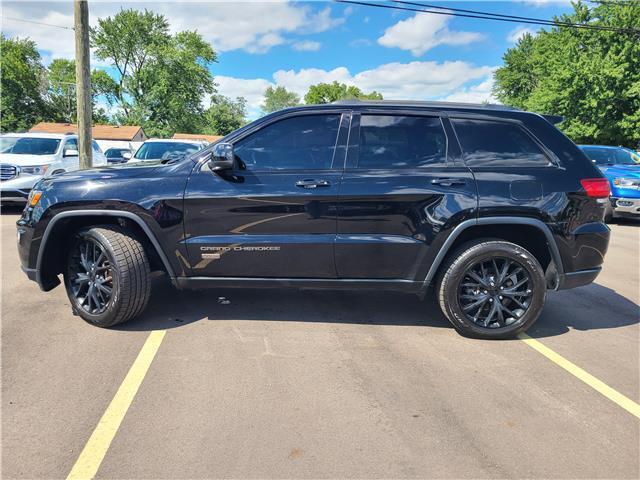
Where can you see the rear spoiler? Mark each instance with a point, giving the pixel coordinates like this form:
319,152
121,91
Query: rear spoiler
553,119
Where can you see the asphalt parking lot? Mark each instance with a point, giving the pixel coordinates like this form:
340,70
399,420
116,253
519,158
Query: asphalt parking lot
286,384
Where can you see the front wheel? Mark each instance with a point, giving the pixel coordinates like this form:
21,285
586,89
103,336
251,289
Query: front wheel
107,276
492,290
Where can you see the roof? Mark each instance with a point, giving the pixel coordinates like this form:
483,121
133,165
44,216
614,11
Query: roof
98,132
197,136
601,146
37,135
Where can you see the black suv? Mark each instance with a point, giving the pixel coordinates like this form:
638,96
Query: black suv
491,206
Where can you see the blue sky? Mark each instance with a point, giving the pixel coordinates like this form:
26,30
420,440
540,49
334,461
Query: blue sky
404,55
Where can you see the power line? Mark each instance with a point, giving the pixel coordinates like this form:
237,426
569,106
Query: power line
37,23
489,16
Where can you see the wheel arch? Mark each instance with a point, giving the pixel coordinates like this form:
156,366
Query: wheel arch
63,225
529,233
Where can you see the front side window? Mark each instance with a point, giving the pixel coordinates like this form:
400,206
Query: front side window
394,141
96,147
306,142
72,144
29,145
486,143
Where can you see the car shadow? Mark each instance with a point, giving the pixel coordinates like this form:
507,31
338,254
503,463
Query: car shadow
586,308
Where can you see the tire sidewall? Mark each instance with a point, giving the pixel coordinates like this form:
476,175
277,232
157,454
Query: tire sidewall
102,319
489,250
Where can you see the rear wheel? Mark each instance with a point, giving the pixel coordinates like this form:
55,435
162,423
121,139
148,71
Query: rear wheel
107,276
492,289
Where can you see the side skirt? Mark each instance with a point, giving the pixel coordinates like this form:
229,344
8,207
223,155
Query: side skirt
407,286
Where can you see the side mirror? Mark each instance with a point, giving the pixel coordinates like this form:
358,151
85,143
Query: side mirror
70,153
222,157
127,155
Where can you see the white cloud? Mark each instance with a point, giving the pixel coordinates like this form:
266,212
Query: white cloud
396,81
252,89
254,27
306,46
519,32
422,32
482,92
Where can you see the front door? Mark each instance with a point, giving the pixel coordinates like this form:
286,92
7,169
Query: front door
399,191
274,215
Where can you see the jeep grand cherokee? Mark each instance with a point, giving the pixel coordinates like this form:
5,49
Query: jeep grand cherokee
488,206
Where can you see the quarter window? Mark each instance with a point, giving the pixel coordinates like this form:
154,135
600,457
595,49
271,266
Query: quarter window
393,141
306,142
497,144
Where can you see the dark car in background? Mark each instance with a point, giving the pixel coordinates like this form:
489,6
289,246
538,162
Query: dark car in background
118,155
620,166
483,206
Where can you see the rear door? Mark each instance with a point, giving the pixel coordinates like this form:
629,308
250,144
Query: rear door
401,188
275,214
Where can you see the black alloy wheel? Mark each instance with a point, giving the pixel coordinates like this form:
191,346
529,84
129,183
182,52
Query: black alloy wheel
495,292
90,276
491,289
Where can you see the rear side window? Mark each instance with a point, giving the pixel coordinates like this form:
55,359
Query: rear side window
306,142
497,144
394,141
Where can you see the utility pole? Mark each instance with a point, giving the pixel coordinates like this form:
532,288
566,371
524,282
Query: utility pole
83,82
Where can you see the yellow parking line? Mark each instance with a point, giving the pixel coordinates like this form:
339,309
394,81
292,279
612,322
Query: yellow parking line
96,448
616,397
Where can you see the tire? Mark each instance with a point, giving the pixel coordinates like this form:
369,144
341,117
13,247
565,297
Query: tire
120,265
468,304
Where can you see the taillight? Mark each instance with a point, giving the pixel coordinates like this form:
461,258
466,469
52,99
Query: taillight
596,187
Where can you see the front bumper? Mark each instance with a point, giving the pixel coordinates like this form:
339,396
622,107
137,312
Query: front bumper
625,206
17,189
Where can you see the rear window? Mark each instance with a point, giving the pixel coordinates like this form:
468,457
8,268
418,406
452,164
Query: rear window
395,141
497,144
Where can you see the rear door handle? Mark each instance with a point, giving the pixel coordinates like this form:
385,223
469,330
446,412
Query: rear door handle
449,182
312,183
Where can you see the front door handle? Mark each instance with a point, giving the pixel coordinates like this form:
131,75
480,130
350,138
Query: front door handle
312,183
448,182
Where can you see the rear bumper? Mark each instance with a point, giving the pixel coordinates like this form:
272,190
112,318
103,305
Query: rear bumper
577,279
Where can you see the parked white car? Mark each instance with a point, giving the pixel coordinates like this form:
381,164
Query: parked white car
166,148
25,158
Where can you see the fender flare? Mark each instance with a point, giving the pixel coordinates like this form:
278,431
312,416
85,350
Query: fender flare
533,222
105,213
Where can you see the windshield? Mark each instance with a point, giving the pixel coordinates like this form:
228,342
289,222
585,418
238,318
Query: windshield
609,156
164,150
29,145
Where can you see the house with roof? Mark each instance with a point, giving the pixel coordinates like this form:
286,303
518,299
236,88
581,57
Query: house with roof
197,136
107,136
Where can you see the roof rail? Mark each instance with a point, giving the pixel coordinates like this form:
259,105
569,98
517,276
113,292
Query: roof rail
421,103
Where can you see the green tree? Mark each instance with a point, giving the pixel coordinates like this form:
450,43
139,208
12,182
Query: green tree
590,77
331,92
61,76
22,101
162,78
225,115
278,98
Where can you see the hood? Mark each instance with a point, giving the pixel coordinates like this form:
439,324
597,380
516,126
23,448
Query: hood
632,171
23,160
106,173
